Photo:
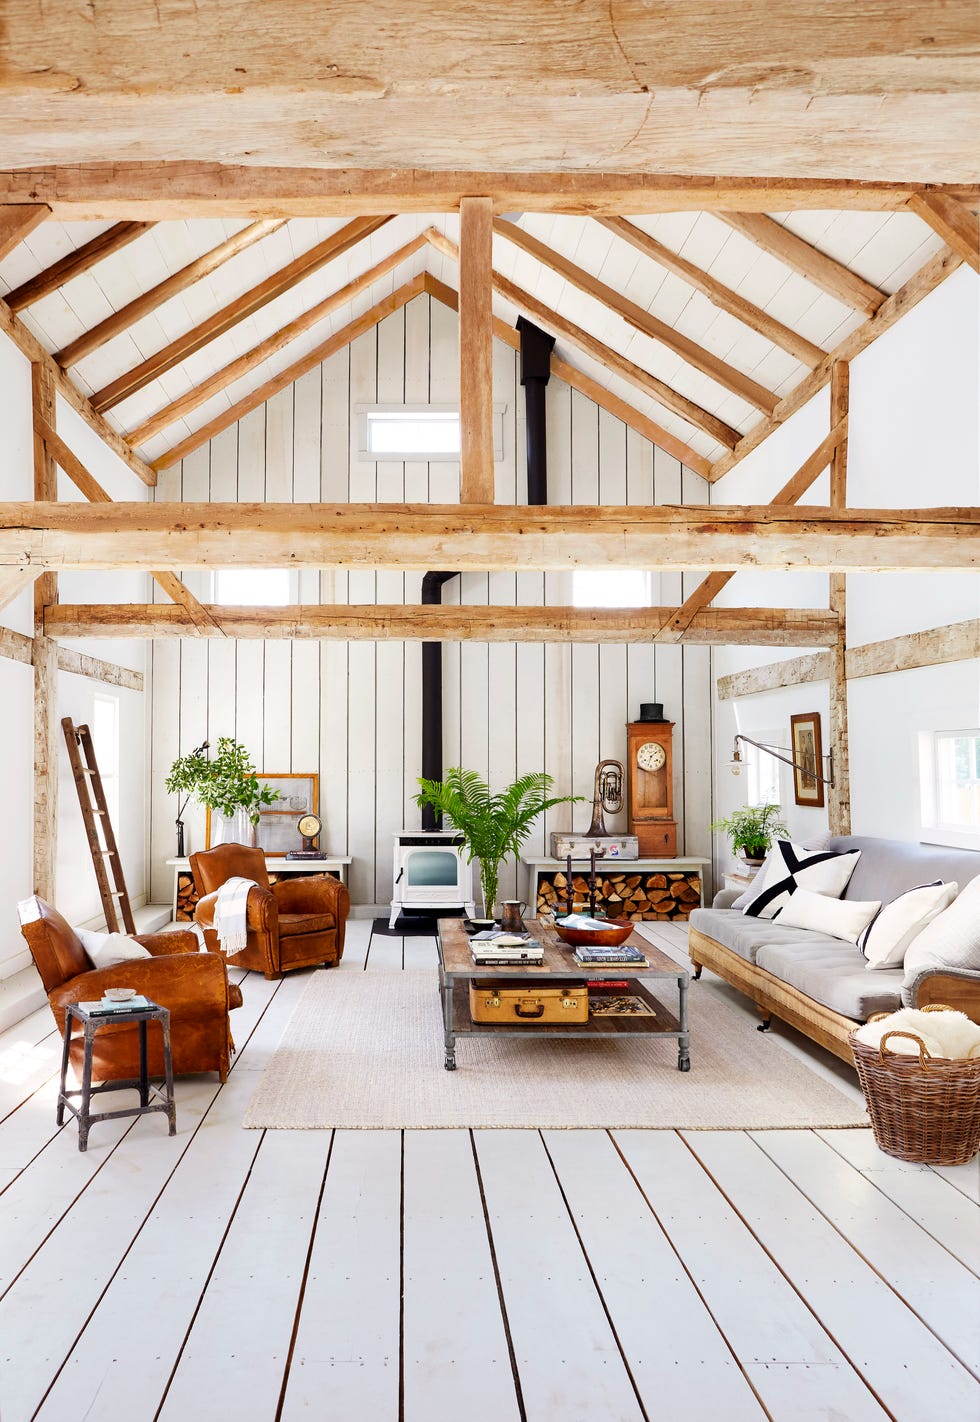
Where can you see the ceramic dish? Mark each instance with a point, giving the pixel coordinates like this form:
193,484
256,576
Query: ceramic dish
119,994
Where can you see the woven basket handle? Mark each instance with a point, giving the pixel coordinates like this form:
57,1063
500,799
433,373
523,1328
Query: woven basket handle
936,1007
925,1055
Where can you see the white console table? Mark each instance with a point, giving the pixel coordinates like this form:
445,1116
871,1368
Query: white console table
663,888
185,894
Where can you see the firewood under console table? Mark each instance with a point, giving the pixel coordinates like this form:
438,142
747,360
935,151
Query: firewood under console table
637,889
185,894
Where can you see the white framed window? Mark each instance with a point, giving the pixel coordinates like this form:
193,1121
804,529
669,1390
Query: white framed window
610,587
763,784
423,432
105,743
253,587
949,775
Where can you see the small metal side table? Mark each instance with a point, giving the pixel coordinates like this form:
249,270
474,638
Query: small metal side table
91,1022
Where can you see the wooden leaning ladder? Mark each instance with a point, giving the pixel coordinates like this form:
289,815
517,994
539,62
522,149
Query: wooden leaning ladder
105,852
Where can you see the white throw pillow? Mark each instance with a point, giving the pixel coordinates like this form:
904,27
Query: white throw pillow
840,918
887,937
788,867
106,949
952,939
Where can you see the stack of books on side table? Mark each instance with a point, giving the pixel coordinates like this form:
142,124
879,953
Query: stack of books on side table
494,949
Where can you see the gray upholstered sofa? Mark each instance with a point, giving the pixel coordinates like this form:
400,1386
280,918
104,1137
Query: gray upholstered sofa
820,984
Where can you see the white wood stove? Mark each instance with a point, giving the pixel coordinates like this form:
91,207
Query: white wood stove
431,872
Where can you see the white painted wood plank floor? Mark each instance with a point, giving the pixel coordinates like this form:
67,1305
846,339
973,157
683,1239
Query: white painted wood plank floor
482,1276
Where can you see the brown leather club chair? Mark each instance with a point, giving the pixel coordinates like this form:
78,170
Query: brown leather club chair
192,984
294,923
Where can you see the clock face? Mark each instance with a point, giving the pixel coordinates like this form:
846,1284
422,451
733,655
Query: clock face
651,756
309,826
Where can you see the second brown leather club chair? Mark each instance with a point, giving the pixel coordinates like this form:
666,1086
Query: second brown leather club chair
294,923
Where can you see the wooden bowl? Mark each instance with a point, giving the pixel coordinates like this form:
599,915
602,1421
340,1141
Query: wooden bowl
618,931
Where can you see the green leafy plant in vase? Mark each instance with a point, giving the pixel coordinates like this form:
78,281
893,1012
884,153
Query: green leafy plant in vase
493,826
225,783
752,830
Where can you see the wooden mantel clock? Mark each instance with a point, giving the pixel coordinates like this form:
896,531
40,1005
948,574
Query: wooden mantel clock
650,774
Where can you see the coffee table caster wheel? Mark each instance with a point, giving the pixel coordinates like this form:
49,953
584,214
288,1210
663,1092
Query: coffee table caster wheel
450,1063
683,1063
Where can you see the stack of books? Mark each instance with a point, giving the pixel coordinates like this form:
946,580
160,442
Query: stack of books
494,949
106,1008
623,956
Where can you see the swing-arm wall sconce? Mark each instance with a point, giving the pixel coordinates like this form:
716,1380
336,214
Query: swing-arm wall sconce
781,753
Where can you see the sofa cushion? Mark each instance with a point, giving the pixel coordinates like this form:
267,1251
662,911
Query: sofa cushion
889,934
745,936
789,866
833,973
888,867
951,940
291,924
840,918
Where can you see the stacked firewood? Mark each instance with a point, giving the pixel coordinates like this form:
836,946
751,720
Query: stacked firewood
624,895
186,898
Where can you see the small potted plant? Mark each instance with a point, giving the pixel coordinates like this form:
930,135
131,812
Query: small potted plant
752,830
492,826
226,784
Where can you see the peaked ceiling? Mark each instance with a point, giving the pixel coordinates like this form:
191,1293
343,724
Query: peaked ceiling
702,323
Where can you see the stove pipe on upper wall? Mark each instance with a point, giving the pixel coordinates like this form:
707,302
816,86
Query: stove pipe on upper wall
536,348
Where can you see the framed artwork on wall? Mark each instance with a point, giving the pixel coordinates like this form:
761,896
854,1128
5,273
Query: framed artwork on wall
808,755
276,831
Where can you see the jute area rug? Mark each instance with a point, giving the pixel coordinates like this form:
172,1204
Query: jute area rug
365,1051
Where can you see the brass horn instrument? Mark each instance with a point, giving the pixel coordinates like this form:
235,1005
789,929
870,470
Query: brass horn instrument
607,795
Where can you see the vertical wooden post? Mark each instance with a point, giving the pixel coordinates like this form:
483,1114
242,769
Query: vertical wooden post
476,350
839,808
45,658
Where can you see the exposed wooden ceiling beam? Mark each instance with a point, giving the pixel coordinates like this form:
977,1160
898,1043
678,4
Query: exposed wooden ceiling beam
330,347
214,384
705,361
831,276
238,310
29,346
181,190
953,221
717,293
75,263
476,350
17,222
172,286
484,537
752,626
581,340
20,648
588,387
892,309
88,485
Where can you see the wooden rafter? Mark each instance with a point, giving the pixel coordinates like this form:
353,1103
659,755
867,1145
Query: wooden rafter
182,190
705,361
334,343
485,537
794,489
247,362
75,263
793,627
45,658
952,221
925,280
588,387
717,293
198,615
831,276
148,301
954,642
18,647
476,350
581,340
29,346
18,222
238,310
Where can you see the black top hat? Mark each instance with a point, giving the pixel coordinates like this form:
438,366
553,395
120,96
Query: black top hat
651,711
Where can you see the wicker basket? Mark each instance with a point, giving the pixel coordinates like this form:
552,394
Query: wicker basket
924,1109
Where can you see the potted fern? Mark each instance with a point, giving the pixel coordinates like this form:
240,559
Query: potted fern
752,830
492,826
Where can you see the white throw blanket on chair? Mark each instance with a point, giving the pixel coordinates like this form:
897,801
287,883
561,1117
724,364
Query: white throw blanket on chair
230,914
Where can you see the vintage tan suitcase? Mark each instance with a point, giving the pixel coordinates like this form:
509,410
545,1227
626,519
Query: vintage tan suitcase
509,1001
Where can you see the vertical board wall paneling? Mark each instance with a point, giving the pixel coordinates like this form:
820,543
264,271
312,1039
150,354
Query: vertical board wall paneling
352,711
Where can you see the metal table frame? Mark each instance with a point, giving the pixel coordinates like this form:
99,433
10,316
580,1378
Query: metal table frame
449,978
90,1025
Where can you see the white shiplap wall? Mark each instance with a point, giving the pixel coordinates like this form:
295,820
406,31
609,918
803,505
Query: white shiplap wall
352,710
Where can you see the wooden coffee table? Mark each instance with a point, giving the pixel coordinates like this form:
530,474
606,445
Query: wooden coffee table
457,970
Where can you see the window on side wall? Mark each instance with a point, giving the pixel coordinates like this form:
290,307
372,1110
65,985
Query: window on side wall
105,743
610,587
949,775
